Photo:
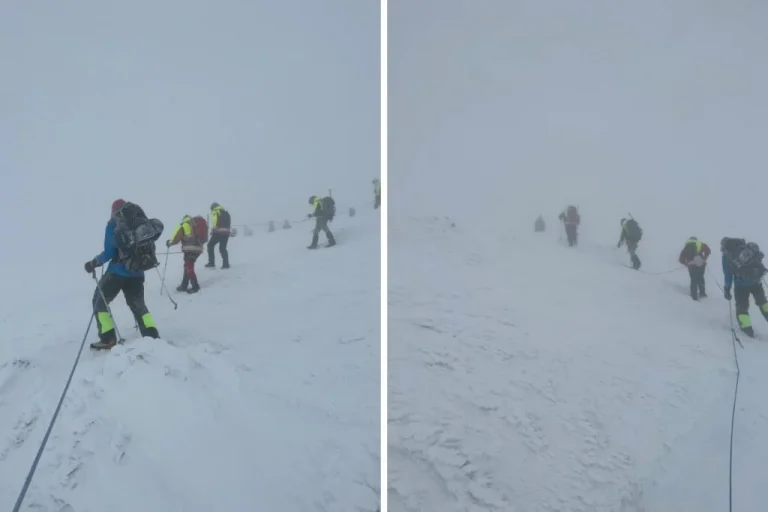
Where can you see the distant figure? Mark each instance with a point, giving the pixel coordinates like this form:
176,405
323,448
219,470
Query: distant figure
376,194
571,219
631,233
286,224
247,231
539,225
694,256
221,224
743,269
324,211
271,227
352,212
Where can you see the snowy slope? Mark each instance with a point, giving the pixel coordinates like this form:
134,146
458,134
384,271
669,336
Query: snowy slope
526,376
263,394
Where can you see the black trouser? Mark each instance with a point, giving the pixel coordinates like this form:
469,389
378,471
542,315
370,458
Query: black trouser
321,224
741,297
222,239
571,233
377,202
133,291
697,280
632,250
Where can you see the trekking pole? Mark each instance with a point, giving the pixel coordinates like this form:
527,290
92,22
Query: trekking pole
120,339
165,268
162,285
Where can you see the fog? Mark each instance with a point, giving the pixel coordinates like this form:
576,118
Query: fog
176,104
501,110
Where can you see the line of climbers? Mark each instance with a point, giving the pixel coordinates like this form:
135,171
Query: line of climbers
631,233
742,264
129,250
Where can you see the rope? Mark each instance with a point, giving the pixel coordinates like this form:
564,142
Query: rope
734,339
650,273
32,470
660,273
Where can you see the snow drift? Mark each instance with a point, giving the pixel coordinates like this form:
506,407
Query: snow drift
526,376
263,393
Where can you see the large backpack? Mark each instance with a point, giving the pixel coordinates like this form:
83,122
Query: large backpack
135,237
632,228
745,259
199,229
225,220
329,207
572,214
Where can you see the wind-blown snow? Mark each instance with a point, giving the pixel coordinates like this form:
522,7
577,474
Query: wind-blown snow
526,376
262,395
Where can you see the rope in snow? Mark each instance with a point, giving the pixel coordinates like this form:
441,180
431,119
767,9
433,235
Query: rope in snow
616,257
32,470
734,339
660,273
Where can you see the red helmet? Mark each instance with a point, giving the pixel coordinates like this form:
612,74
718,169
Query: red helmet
117,205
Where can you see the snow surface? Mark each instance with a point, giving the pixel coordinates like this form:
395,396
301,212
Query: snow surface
526,376
262,395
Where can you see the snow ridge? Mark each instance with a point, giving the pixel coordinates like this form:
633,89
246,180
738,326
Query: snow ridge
262,394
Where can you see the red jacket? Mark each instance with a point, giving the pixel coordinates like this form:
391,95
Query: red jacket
692,249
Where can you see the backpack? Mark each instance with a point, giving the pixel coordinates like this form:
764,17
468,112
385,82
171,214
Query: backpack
135,236
225,220
329,207
199,229
632,228
745,259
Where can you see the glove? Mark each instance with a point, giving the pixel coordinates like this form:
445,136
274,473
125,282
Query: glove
92,265
727,294
168,243
618,245
309,215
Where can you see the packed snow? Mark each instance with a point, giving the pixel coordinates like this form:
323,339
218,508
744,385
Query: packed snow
263,393
526,376
529,376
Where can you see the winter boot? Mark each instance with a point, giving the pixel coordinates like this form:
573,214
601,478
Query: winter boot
195,285
210,264
313,245
106,342
184,283
103,344
331,240
749,331
225,264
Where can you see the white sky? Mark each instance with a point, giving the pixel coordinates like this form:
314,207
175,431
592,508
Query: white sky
175,104
500,110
